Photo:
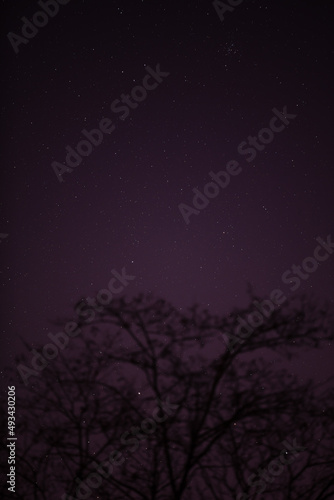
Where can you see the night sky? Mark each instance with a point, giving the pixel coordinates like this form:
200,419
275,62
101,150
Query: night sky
119,207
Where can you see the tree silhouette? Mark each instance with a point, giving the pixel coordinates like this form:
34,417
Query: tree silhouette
231,410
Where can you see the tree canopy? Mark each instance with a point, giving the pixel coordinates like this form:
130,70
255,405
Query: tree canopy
182,412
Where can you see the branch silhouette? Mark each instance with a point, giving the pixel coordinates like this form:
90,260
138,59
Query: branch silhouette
221,416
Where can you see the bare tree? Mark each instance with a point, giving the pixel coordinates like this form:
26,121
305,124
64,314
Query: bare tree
223,415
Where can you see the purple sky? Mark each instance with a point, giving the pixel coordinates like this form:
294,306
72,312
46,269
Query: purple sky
119,207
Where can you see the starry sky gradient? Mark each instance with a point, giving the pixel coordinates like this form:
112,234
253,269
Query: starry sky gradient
119,208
